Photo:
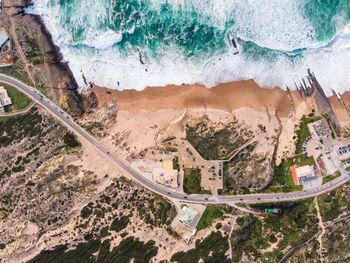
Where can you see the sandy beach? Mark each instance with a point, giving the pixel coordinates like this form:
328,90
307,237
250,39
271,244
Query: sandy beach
227,97
160,106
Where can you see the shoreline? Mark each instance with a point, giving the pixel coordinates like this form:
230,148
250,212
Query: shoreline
227,97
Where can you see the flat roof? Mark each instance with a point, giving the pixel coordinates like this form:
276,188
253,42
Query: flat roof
188,215
4,37
302,171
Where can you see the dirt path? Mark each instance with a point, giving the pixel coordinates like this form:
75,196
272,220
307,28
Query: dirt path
20,51
328,224
322,227
229,242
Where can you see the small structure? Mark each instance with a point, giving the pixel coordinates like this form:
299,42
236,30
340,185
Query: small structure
166,175
5,100
188,216
6,54
275,211
186,220
302,173
320,130
328,163
343,151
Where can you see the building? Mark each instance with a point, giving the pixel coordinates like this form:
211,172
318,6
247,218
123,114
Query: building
6,53
343,151
4,39
327,163
166,175
302,173
5,100
188,215
320,129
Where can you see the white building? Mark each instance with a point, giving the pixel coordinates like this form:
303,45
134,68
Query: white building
4,39
328,163
166,175
188,215
5,100
302,173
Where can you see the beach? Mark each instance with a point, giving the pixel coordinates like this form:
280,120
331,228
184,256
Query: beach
226,97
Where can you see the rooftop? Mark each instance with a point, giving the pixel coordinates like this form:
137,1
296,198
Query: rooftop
3,37
188,215
301,173
4,97
165,177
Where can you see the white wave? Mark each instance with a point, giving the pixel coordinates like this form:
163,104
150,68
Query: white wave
102,40
278,25
108,68
103,64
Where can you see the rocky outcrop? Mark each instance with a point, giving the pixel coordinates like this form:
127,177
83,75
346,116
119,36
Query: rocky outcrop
37,53
14,7
312,88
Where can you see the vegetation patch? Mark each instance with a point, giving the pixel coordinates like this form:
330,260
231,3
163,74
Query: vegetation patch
334,203
17,128
129,249
248,238
210,249
19,100
211,214
70,140
328,178
192,182
296,224
119,224
216,143
176,165
246,172
303,132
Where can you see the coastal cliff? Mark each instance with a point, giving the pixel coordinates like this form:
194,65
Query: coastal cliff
38,60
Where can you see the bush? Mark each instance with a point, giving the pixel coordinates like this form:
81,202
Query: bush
119,224
211,249
218,225
211,213
86,212
70,140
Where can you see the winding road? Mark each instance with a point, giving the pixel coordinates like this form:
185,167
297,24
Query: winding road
65,119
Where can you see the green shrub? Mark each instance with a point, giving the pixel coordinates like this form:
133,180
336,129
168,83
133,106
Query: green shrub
211,249
120,223
70,140
86,212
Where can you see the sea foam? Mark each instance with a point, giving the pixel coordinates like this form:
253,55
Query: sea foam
275,26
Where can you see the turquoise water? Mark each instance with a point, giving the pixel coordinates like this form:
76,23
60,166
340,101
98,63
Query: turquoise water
143,26
327,16
190,38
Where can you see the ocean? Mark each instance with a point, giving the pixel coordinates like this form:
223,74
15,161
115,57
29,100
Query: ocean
132,44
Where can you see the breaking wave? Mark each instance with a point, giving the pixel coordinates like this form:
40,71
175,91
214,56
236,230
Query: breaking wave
127,44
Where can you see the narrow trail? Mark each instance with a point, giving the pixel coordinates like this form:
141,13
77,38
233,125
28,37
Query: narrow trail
327,225
20,51
229,242
322,227
245,209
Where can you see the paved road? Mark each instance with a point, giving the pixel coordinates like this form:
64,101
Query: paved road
20,112
65,119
